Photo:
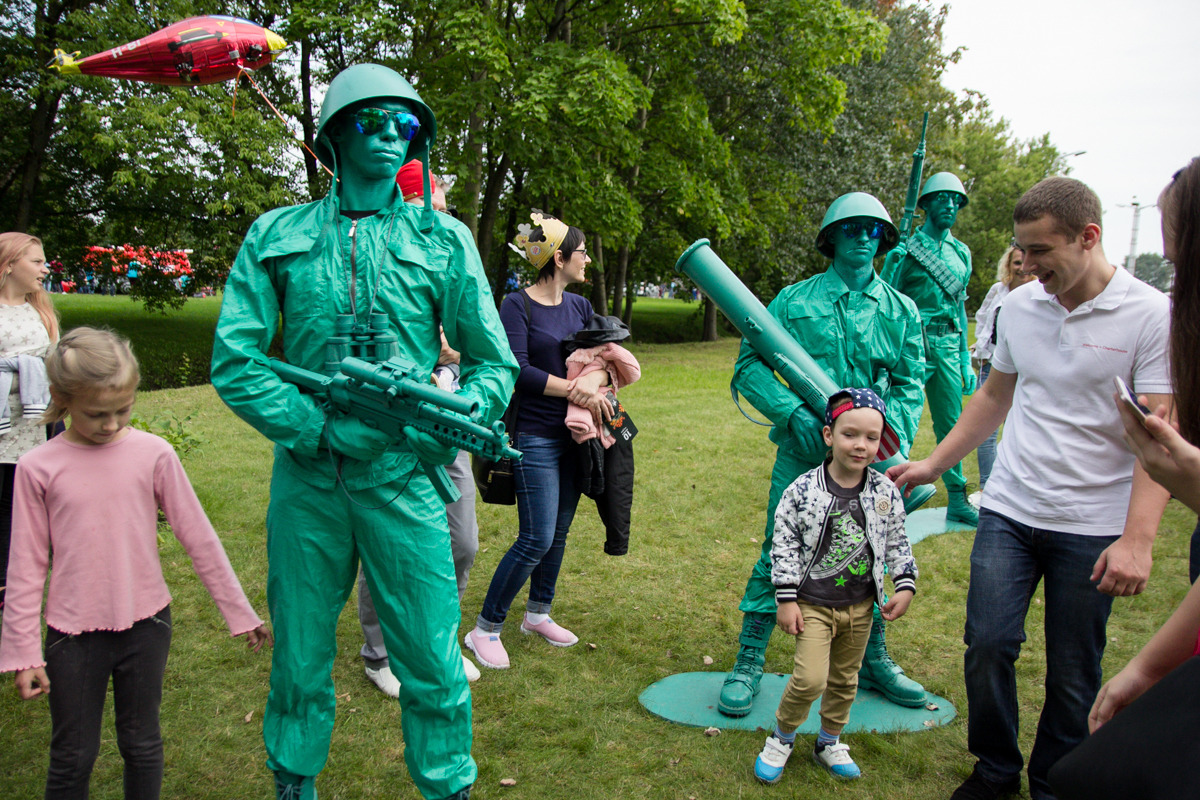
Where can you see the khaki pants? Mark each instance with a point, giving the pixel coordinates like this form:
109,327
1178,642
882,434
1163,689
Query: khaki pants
829,652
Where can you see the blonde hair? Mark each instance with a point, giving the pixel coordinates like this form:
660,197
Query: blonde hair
88,360
1004,272
12,246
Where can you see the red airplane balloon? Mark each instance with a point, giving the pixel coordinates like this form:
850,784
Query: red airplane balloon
195,52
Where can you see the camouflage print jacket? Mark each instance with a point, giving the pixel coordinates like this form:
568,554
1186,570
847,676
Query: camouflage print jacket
800,520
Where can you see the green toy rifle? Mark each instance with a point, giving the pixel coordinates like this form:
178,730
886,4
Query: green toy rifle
391,397
914,184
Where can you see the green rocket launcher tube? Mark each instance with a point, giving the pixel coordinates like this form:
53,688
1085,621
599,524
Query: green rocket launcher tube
914,184
772,342
391,397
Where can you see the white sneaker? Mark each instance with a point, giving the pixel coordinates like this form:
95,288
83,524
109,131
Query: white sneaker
836,758
768,767
471,670
388,683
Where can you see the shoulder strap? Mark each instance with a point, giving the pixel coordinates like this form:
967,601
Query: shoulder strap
528,308
938,269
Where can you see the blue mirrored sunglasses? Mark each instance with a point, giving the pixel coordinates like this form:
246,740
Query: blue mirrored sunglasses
853,229
370,121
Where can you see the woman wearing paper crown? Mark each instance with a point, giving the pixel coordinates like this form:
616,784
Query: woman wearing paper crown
862,332
537,320
342,492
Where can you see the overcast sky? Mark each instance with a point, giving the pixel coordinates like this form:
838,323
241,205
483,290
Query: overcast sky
1117,79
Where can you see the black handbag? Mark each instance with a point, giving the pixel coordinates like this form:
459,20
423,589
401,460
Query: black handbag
496,481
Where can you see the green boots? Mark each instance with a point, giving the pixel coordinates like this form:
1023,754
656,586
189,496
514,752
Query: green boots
885,676
742,684
960,508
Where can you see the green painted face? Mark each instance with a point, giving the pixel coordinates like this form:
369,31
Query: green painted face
373,156
855,242
941,209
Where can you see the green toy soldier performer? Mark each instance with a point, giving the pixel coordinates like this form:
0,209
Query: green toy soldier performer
343,492
933,268
861,332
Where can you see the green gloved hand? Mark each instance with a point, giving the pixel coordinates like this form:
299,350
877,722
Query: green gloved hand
354,438
807,429
970,381
892,260
429,449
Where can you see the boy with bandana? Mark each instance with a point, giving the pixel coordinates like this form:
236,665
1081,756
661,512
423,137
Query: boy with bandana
835,528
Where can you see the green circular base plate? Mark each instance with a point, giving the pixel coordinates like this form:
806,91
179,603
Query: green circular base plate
690,698
930,522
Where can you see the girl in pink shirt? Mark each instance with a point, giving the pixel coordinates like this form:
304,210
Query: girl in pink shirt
89,499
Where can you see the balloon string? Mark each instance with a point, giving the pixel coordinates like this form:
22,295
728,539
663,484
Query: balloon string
267,100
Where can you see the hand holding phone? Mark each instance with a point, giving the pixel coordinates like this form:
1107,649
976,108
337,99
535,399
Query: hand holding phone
1130,399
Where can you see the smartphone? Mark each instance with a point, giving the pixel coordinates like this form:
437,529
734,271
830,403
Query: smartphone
1130,399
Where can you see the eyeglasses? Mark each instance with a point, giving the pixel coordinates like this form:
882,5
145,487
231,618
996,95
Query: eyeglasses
580,250
370,121
853,229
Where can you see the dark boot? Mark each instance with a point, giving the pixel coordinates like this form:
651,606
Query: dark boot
742,684
960,508
885,676
295,787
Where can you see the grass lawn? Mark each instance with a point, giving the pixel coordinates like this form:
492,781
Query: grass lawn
565,723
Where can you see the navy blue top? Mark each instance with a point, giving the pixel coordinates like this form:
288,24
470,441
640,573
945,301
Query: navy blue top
537,345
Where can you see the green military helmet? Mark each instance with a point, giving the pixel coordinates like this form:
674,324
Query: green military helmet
369,81
857,204
943,182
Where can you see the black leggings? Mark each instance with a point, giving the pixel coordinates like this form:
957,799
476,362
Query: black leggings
1147,751
7,473
79,668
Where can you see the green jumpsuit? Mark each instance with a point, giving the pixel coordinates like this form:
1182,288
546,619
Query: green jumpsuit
944,321
862,339
300,262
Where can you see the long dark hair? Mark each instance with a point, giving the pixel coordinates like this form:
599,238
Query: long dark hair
1180,207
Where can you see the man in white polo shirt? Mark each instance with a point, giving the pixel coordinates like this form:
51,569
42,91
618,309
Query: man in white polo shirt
1067,501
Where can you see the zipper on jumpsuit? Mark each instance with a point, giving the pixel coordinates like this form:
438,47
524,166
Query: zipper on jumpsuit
353,266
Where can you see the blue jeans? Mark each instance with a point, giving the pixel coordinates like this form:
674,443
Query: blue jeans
79,667
985,454
547,494
1007,562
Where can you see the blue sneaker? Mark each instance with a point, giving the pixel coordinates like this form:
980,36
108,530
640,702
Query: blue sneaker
836,759
768,767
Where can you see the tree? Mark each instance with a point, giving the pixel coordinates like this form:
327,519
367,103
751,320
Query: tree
1156,271
168,168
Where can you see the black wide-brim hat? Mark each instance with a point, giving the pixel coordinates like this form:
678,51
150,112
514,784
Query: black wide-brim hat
599,330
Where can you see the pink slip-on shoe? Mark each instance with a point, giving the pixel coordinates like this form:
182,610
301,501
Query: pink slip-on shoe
551,631
488,650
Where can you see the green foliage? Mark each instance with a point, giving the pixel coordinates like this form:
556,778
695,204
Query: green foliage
177,431
1155,270
648,124
165,167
